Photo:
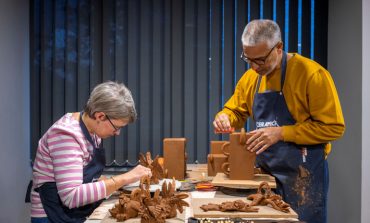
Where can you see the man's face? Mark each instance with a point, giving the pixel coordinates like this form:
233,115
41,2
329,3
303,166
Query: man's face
262,58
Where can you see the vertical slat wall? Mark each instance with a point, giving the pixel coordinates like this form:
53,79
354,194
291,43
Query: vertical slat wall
180,58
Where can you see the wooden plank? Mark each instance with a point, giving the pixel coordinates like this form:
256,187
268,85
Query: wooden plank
263,212
222,180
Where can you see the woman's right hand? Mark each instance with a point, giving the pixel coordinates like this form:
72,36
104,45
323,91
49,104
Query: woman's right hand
117,181
140,171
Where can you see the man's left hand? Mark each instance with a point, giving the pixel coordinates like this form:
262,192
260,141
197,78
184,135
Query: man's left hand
262,139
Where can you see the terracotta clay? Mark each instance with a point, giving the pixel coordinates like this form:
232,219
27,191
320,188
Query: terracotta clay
214,163
265,196
157,170
240,165
216,147
151,209
174,153
237,205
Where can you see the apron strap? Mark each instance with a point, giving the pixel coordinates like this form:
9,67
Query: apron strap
86,132
283,69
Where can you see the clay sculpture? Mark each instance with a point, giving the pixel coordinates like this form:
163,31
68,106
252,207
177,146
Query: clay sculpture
158,172
265,196
240,164
227,206
158,208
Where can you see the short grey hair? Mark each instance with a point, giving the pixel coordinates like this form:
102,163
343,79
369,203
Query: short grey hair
114,99
259,31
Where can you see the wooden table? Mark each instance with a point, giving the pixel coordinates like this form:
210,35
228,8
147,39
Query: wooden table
197,173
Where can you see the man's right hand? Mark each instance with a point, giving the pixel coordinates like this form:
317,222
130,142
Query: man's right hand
222,124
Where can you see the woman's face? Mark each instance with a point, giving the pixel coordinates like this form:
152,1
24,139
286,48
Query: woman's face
107,127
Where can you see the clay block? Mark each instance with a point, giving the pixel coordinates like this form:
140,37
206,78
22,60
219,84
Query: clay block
240,164
214,163
216,147
174,154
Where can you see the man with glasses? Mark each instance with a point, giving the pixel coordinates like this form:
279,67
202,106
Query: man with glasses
295,106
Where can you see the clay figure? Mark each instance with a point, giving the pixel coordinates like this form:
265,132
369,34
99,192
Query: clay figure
158,208
265,196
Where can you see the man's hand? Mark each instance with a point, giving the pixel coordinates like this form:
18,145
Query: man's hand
262,139
222,124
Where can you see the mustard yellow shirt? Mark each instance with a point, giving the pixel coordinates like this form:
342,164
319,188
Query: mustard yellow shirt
310,95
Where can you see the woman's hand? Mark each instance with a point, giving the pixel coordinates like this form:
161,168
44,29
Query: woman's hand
140,171
115,182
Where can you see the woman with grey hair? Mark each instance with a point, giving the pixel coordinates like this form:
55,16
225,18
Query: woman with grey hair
67,183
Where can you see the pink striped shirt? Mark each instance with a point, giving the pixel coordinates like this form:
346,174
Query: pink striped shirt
62,153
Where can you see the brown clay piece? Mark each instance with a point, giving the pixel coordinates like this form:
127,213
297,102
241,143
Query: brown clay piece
265,196
151,209
228,206
158,172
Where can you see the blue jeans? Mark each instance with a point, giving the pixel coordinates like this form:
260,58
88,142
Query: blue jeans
39,220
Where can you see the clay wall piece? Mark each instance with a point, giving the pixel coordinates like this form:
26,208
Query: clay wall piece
174,154
214,163
216,147
240,164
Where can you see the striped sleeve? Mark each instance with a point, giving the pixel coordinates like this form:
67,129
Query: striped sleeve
67,159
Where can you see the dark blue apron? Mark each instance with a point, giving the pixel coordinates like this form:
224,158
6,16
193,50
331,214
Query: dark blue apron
51,202
301,171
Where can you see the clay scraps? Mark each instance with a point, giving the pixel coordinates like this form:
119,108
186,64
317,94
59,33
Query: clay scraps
158,171
227,206
265,196
140,203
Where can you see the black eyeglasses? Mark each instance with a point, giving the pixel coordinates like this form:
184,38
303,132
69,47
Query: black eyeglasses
116,129
258,61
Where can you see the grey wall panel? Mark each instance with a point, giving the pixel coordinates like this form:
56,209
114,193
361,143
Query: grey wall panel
84,53
70,77
133,71
365,182
344,63
215,72
202,118
190,84
15,168
120,59
157,75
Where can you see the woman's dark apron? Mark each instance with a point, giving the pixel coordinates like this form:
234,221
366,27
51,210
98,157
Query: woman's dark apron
50,199
301,171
